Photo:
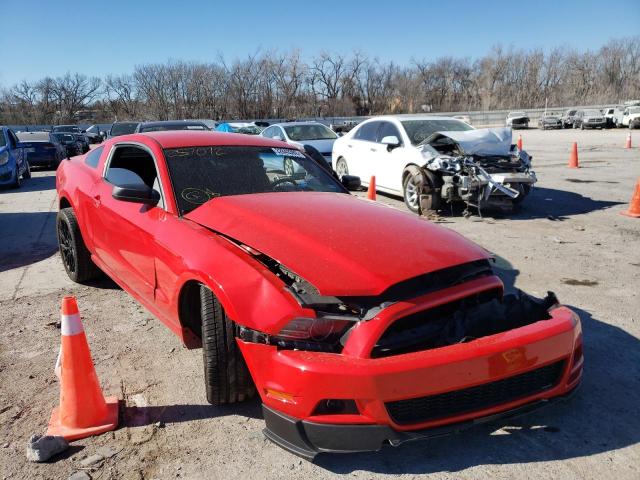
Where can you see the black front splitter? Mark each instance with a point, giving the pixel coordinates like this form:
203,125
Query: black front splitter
307,439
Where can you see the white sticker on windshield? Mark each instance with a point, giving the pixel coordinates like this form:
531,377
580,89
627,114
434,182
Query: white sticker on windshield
288,152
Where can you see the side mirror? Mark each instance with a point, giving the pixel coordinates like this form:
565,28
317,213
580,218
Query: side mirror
391,141
83,131
350,182
136,193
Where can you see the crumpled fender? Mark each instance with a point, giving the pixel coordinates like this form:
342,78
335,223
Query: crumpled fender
251,295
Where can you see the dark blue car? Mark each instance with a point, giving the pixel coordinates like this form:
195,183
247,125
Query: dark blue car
42,148
13,160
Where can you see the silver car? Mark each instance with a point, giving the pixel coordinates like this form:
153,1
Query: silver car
304,134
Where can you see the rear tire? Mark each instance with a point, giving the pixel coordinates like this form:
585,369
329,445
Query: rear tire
227,378
342,168
75,256
27,173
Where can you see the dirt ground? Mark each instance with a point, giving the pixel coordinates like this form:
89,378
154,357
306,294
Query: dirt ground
568,237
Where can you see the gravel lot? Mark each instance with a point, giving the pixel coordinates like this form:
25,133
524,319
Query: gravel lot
568,237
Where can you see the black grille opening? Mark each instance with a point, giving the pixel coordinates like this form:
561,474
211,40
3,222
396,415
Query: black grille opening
469,318
427,329
458,402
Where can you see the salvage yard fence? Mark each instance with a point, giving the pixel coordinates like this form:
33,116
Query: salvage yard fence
493,118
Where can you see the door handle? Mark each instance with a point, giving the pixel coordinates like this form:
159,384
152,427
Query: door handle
349,145
374,149
96,200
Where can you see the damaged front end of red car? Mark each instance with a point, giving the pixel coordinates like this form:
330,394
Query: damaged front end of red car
430,356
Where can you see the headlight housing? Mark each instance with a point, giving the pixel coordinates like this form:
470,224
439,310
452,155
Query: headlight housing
314,334
4,158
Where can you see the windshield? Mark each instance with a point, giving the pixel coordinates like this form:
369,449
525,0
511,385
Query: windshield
592,113
634,109
517,114
199,174
123,128
419,130
160,127
93,129
250,130
309,132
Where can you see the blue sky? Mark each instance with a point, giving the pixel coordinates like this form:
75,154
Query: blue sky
95,37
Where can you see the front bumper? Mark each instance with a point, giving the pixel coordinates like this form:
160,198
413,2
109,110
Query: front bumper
295,383
306,439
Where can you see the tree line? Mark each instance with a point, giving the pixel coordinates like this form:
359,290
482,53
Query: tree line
274,84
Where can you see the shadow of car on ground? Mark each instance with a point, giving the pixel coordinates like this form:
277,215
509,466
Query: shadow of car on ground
542,202
33,184
27,238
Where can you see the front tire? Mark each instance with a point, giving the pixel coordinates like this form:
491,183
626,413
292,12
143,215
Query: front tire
226,375
17,183
75,256
419,182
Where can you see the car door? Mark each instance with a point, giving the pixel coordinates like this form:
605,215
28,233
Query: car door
17,151
388,163
123,232
361,149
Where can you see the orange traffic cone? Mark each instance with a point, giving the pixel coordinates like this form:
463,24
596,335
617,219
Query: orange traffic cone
634,204
628,142
371,191
573,157
83,410
519,142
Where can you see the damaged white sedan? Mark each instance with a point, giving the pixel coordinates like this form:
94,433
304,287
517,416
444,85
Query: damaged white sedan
432,161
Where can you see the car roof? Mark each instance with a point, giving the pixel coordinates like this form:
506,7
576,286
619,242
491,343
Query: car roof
191,138
296,124
170,122
409,118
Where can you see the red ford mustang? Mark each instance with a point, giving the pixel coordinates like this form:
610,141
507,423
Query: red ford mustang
357,324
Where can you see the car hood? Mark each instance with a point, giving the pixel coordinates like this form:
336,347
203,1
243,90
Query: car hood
323,146
483,141
341,244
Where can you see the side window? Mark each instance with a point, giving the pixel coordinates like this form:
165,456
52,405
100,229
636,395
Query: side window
367,132
3,141
388,129
93,157
131,164
279,133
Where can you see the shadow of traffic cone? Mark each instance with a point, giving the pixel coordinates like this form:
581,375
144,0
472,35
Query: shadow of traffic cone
634,204
519,142
573,157
83,410
371,191
627,144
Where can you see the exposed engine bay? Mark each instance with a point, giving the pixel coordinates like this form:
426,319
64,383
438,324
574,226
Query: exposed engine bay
479,167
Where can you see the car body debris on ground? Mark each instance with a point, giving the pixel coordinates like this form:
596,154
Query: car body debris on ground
568,237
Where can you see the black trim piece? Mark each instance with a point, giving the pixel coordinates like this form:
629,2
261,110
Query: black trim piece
307,439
